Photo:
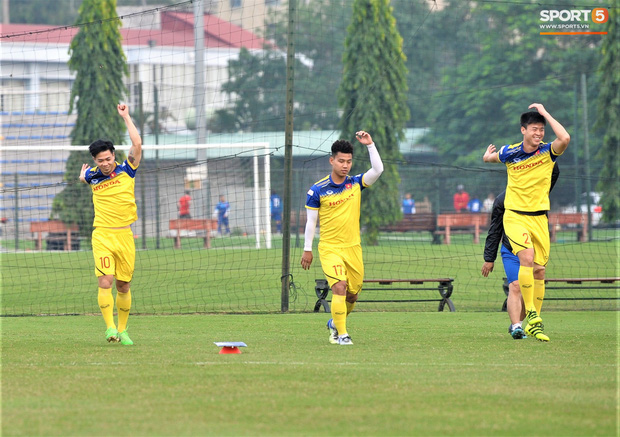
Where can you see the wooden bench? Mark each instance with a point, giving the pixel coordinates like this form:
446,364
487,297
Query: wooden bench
564,221
465,223
413,222
62,233
193,225
444,287
298,220
574,284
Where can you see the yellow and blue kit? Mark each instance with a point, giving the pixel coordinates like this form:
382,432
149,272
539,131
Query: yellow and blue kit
529,176
339,210
115,209
113,195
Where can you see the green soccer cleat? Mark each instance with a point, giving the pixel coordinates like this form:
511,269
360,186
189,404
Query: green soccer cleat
533,318
536,331
111,335
125,338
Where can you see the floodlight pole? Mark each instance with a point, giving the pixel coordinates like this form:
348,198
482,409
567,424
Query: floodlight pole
288,156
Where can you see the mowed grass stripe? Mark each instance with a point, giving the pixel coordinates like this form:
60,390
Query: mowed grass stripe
407,374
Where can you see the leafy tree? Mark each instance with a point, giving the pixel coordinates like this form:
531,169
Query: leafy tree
319,38
413,22
373,97
98,58
257,85
505,68
56,12
258,82
609,119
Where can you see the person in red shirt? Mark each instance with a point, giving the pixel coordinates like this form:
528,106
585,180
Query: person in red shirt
184,205
461,199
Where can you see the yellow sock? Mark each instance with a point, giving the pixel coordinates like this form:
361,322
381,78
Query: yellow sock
526,282
539,294
339,313
123,304
350,306
106,304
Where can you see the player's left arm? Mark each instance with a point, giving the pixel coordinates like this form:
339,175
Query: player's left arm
560,144
135,152
371,176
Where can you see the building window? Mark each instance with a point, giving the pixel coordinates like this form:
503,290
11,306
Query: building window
235,3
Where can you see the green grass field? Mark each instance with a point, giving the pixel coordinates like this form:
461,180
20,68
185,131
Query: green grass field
239,278
407,374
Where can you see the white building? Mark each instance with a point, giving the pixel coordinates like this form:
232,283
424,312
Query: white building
159,46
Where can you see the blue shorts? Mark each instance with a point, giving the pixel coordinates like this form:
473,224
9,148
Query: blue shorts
511,264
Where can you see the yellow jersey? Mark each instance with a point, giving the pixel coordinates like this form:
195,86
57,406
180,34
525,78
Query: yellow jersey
339,210
113,195
529,177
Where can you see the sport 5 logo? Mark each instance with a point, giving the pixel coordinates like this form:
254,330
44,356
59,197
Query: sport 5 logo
597,15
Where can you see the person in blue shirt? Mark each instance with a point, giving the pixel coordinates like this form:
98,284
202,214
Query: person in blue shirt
474,205
221,210
276,211
408,205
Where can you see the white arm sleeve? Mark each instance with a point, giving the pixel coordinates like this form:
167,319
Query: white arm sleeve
313,215
371,176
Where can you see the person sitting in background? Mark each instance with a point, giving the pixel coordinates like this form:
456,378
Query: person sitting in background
460,198
408,206
474,205
184,202
487,204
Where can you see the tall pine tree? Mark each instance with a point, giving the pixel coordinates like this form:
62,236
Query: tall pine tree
96,54
609,119
373,96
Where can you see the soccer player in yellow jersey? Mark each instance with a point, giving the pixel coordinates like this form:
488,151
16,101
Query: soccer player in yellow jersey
115,210
529,165
335,201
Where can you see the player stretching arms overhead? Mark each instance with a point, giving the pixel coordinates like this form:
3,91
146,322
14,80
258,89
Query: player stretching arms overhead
335,200
529,164
115,210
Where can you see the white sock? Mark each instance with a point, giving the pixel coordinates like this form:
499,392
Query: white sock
515,325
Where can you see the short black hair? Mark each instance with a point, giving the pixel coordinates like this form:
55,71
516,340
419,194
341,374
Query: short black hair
532,117
342,146
100,146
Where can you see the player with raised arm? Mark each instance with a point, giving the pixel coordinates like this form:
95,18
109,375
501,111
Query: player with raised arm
496,237
529,165
335,201
112,239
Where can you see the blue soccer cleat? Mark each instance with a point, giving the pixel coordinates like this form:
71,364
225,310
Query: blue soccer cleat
333,332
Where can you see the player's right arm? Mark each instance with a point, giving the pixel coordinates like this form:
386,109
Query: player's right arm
312,217
82,176
491,154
